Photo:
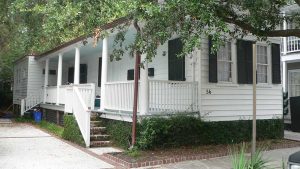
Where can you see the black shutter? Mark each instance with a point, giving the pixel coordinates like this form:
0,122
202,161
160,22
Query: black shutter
176,64
213,64
276,76
71,75
244,61
99,71
83,73
130,74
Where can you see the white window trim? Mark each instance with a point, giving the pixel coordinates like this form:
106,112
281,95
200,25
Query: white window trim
229,83
269,78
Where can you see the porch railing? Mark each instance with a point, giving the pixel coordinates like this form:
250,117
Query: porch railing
119,95
164,96
85,89
293,44
173,96
79,100
31,101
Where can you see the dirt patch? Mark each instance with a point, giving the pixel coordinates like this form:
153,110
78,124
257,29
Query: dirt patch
170,155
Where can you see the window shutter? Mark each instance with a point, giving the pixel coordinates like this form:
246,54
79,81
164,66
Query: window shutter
71,75
83,73
244,61
276,76
99,71
213,64
176,65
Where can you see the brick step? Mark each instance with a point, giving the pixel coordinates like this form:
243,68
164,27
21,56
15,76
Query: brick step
100,143
95,123
94,118
100,137
98,130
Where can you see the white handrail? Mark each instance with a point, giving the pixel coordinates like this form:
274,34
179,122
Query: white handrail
31,101
82,115
79,101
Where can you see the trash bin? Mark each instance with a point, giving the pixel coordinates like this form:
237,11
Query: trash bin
37,116
97,102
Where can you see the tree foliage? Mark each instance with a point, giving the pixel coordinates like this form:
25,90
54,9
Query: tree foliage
34,26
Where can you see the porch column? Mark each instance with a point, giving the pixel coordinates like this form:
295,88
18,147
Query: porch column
77,66
284,38
59,75
46,79
284,76
144,96
104,71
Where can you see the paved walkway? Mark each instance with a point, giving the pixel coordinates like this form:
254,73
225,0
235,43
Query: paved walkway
25,147
291,135
275,160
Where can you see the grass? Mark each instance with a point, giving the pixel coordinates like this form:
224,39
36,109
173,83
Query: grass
51,127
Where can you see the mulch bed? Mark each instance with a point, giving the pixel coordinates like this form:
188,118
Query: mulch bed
172,155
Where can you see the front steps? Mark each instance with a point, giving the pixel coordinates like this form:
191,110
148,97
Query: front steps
99,137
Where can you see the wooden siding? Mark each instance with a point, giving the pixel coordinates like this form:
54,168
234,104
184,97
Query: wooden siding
35,76
234,101
20,80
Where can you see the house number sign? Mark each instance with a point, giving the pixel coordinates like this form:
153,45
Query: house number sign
208,91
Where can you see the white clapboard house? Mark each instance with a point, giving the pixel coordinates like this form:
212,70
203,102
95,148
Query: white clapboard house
72,77
291,69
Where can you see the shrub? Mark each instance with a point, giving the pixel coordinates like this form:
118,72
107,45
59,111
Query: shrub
71,130
119,131
240,160
178,131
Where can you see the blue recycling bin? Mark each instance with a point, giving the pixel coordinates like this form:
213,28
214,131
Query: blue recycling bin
37,116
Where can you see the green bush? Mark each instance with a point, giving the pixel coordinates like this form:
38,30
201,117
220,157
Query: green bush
119,131
178,131
71,130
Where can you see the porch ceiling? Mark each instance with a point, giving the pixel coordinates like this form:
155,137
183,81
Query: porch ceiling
88,49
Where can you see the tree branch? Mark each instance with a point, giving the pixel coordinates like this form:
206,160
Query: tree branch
230,17
297,2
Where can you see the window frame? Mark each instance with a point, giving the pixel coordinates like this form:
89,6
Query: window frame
232,62
268,65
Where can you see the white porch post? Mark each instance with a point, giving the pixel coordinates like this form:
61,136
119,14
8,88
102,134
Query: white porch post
46,79
77,66
104,71
284,76
59,75
144,96
284,38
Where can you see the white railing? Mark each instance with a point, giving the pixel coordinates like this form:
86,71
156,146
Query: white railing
164,96
82,114
293,44
119,95
79,100
173,96
87,91
31,101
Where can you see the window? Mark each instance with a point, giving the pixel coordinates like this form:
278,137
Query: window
262,64
225,63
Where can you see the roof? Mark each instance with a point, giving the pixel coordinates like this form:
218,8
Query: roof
78,39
